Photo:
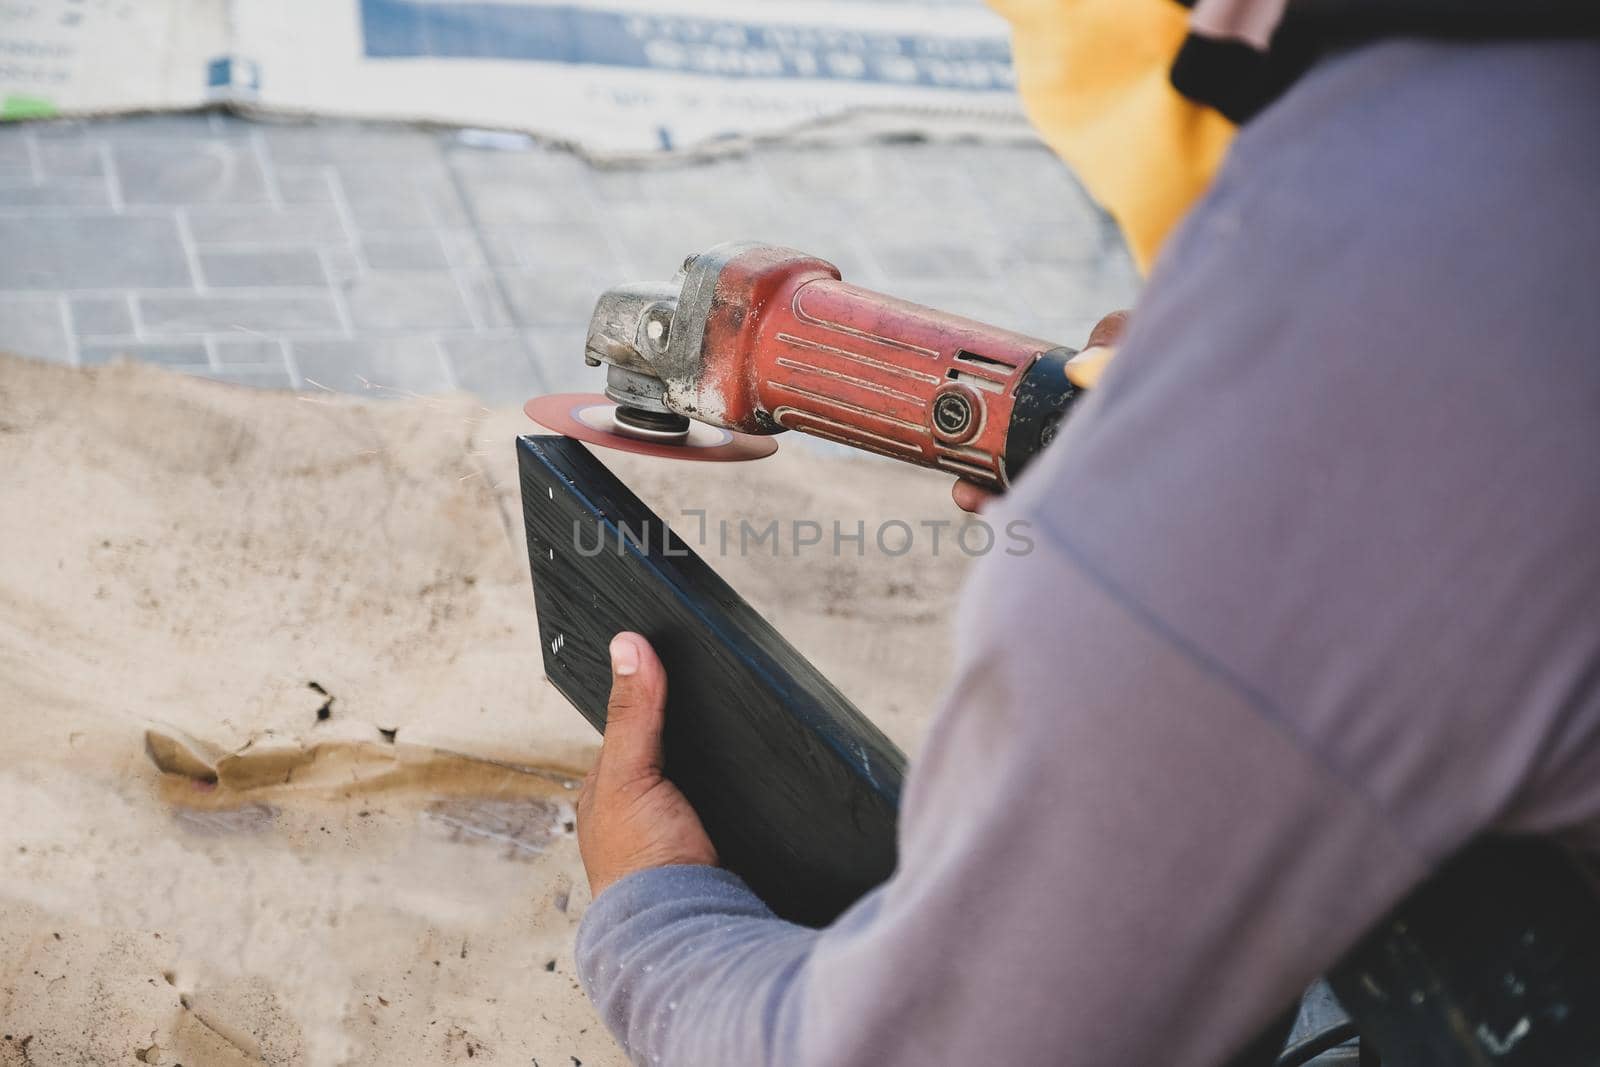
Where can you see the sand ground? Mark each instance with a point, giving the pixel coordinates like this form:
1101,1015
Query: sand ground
282,780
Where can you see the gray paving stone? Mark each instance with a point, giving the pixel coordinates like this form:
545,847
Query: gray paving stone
304,185
919,260
975,297
297,224
1038,187
553,246
265,377
265,268
498,370
510,190
16,151
482,290
55,192
71,159
1054,292
540,298
656,240
502,245
400,207
172,126
377,178
911,221
492,292
463,247
953,173
221,313
224,124
404,251
619,184
374,366
558,359
832,239
1074,333
1079,243
92,250
340,264
443,202
404,300
172,353
214,172
350,142
538,164
850,175
247,352
34,326
738,185
102,315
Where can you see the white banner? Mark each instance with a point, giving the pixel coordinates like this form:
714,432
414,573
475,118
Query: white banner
612,77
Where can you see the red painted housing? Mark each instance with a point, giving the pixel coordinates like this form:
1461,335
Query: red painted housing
789,345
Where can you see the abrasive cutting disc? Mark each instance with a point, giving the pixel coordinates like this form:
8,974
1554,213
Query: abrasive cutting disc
590,418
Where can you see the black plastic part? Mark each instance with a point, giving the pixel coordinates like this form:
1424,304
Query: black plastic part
798,791
1042,399
1493,962
657,421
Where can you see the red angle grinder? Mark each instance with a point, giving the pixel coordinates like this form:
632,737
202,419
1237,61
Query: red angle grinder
749,340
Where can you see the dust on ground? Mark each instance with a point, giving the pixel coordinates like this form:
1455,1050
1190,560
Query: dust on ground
282,780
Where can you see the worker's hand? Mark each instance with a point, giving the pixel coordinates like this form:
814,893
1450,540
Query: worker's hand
1102,344
630,818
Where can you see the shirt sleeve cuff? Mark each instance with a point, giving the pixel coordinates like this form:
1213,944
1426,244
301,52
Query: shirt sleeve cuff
630,910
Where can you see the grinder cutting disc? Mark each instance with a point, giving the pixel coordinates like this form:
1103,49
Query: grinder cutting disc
592,418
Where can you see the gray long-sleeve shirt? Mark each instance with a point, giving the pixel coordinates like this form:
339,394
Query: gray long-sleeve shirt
1315,598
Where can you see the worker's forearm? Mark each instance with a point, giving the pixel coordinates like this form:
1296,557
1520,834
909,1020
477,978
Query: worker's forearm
687,966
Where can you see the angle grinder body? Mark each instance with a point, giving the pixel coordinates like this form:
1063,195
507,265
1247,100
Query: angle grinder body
757,339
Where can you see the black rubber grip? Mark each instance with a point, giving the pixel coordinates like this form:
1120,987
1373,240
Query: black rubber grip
1043,396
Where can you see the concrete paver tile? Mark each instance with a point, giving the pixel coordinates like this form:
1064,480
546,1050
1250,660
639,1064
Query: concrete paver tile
299,224
172,353
17,148
206,172
403,300
226,313
540,298
341,264
976,297
92,250
343,142
404,251
101,315
552,246
304,185
349,254
71,159
374,366
463,247
267,267
248,352
498,370
176,126
401,208
1052,292
558,359
482,291
263,377
34,326
55,193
